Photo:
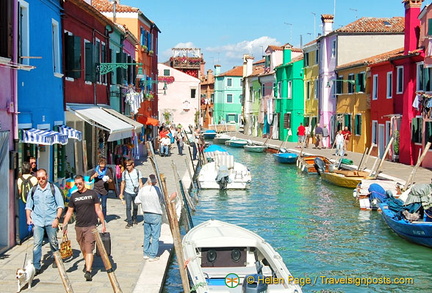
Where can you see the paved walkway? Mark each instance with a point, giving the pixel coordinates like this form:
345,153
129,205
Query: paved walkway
132,272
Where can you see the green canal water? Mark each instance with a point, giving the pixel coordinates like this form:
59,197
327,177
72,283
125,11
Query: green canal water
319,231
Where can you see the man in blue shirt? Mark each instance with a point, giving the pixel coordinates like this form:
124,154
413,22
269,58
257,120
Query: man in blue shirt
43,210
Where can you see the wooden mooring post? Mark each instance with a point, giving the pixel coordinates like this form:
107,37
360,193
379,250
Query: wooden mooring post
62,271
112,277
426,149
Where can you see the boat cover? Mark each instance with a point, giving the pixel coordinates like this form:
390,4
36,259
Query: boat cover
420,193
214,148
377,192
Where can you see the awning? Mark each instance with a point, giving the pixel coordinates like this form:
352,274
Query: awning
43,137
137,126
70,132
97,117
148,120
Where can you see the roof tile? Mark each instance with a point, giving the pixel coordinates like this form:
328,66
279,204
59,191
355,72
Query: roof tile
375,25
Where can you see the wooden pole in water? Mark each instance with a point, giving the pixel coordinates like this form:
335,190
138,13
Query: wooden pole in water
361,161
104,256
175,231
62,271
426,149
383,157
369,153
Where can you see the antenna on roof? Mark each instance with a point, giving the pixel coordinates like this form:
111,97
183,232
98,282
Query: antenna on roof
355,11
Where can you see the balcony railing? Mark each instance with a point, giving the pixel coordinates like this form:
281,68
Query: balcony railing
186,62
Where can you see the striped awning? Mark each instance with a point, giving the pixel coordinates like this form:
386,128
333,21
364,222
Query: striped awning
70,132
43,137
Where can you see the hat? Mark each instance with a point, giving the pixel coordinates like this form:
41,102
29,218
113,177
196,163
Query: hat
152,178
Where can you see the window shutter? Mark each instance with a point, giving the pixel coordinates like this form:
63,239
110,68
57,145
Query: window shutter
73,56
429,28
90,66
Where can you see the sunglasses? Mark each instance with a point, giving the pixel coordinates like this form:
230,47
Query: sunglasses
32,163
41,178
79,183
128,165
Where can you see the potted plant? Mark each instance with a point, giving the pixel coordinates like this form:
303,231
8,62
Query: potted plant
151,52
144,48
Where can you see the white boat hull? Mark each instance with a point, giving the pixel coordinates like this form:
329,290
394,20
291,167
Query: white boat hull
214,249
239,176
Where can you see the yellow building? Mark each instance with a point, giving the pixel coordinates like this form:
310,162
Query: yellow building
352,91
311,74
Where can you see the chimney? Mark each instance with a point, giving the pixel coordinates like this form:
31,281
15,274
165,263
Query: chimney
412,24
210,76
217,70
247,65
327,23
286,54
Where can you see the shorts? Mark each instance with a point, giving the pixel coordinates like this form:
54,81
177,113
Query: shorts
86,238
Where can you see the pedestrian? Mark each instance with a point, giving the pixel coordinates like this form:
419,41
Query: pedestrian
86,205
193,139
318,136
129,187
102,176
308,135
300,135
44,208
25,181
165,143
180,141
151,199
347,135
325,137
339,140
33,166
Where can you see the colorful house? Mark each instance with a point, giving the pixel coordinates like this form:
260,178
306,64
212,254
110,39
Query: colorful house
180,102
290,99
9,66
228,95
207,98
360,39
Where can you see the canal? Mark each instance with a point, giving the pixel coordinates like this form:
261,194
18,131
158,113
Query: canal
319,231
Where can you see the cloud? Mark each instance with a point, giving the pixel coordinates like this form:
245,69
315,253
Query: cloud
232,54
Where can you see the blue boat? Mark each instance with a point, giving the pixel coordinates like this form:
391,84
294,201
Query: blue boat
419,232
286,158
209,134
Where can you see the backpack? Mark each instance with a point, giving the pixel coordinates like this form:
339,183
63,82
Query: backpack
34,189
25,187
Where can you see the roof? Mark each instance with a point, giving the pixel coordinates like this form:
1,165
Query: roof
235,71
106,6
375,25
373,59
257,70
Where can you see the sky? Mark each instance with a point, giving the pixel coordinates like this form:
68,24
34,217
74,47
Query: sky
226,30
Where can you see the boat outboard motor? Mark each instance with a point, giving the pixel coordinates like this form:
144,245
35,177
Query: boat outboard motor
254,284
222,177
319,165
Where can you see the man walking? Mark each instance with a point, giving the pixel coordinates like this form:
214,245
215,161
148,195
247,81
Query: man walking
325,137
300,135
129,187
151,199
86,204
318,136
44,208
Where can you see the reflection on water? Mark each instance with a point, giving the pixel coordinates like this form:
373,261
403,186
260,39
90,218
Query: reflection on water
317,228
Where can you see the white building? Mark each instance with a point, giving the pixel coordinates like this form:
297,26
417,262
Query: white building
179,97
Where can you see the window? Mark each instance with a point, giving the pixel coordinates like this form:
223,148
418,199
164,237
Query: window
347,121
167,72
316,56
375,87
427,79
290,89
72,56
374,132
360,82
351,86
420,85
306,59
416,130
316,89
229,81
429,27
55,30
399,79
287,120
24,35
263,90
333,49
7,27
89,62
229,98
279,90
339,85
428,131
231,118
389,85
308,90
193,93
357,124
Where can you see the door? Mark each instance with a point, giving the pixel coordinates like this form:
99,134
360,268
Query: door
381,140
5,211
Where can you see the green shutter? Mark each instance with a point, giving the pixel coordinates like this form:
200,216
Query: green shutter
429,28
72,56
90,66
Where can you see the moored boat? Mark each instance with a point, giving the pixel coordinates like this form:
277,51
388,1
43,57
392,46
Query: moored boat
221,138
255,148
209,134
285,158
308,164
220,256
236,142
223,173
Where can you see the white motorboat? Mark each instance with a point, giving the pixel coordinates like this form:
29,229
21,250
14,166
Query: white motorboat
222,257
224,173
221,138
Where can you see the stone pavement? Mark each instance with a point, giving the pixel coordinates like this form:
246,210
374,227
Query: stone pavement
132,272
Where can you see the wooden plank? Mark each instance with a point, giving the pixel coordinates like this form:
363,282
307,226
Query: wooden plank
62,272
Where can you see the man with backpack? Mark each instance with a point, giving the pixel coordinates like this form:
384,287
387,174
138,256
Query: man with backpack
44,208
26,181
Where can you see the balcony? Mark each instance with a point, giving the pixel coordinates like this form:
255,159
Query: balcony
186,62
